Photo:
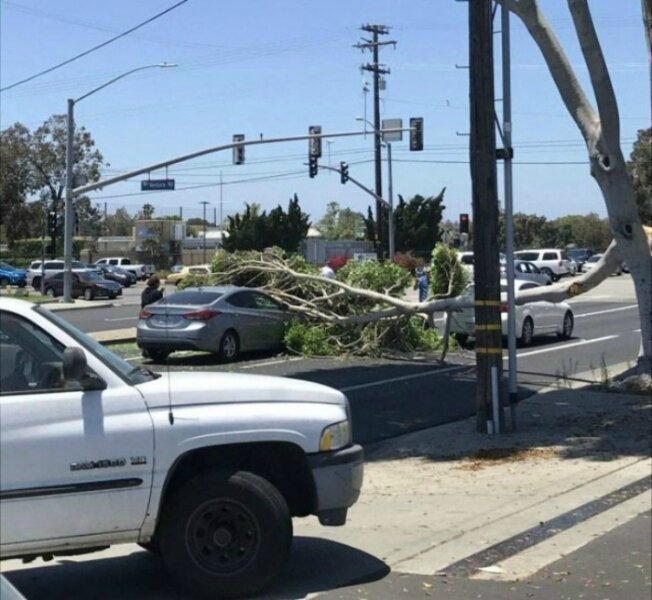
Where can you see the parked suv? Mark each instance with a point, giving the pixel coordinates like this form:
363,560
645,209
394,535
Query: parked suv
551,261
35,270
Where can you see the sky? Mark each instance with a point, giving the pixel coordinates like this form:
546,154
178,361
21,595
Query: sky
276,67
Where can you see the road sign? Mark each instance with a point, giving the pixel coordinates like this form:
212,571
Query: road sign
392,136
238,149
156,184
314,144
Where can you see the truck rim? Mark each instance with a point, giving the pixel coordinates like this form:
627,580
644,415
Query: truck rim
223,536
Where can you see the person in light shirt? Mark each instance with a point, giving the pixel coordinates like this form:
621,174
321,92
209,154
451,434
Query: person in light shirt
327,271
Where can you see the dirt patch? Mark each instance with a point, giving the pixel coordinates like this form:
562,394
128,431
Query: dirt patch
486,457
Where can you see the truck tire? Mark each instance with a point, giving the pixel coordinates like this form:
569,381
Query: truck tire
226,535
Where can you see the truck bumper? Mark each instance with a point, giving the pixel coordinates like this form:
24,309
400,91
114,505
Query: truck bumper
338,480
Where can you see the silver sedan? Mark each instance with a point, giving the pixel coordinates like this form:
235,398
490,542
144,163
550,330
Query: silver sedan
225,320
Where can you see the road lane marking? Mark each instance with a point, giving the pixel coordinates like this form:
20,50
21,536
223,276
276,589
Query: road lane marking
604,312
402,378
564,346
121,319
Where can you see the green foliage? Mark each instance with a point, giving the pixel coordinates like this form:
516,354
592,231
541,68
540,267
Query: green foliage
386,277
640,168
256,231
341,223
417,223
447,276
311,339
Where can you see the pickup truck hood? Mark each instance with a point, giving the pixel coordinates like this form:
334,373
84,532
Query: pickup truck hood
184,388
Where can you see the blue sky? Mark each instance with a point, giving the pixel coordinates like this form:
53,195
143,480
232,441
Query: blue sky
277,67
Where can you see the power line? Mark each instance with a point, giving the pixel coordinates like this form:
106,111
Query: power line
113,39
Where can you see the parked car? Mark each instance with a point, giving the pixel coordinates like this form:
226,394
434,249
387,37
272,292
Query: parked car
175,278
38,269
551,261
593,261
10,275
532,319
88,284
580,256
528,272
226,320
122,276
206,468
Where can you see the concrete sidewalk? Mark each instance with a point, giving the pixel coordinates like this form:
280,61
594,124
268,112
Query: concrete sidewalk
452,502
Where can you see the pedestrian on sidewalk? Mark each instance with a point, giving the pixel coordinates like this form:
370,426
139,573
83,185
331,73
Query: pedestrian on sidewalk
422,284
151,293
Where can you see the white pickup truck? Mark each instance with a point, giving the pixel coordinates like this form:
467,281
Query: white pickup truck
207,471
140,271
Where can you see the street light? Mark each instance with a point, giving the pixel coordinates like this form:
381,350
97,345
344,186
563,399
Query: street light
68,206
390,191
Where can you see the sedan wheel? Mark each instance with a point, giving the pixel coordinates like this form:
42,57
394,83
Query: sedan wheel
50,293
88,294
527,333
567,327
229,346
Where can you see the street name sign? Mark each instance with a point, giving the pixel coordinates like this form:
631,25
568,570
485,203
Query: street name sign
156,184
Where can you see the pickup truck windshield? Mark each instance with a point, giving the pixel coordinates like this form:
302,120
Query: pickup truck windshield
121,367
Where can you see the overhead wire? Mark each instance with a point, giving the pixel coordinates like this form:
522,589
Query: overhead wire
102,45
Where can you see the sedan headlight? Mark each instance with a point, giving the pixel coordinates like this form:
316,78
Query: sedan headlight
335,436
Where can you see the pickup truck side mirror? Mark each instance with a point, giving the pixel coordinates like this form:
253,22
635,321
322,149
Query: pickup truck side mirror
75,368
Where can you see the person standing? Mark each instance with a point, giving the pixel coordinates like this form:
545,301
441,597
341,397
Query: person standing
151,293
423,284
327,271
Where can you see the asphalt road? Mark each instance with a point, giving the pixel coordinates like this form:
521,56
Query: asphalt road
391,397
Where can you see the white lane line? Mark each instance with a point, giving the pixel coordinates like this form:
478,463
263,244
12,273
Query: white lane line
564,346
403,378
279,361
604,312
121,319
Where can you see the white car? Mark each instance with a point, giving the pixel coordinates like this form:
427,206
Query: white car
592,261
532,319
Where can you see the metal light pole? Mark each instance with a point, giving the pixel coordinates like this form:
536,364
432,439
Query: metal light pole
390,202
68,206
204,202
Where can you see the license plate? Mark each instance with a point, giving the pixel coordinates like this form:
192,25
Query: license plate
166,320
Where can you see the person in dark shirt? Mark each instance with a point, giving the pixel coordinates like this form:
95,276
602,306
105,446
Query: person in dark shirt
151,293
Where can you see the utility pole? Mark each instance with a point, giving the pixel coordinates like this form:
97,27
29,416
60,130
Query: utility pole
374,44
488,329
204,202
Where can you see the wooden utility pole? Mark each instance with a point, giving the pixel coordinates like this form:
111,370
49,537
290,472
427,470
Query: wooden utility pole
485,218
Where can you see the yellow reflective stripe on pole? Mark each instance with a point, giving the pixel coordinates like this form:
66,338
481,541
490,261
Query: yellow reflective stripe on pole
488,302
489,327
489,350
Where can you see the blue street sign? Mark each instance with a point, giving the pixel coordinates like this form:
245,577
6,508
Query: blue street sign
156,184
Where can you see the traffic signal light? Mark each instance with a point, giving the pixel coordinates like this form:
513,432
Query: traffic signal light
416,133
238,150
464,223
314,144
52,223
344,172
312,166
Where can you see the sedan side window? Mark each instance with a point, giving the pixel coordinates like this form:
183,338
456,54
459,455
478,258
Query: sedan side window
265,302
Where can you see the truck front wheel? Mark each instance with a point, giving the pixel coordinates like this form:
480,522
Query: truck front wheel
226,535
